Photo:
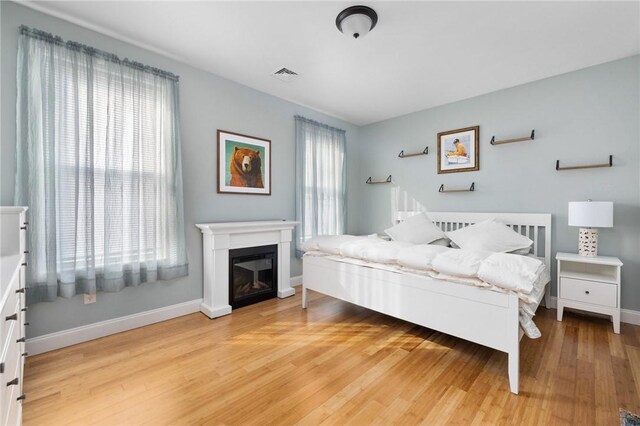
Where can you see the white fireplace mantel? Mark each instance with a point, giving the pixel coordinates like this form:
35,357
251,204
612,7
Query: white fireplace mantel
219,238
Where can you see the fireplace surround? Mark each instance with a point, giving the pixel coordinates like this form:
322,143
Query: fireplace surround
218,239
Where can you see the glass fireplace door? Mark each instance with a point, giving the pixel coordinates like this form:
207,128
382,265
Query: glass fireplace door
253,275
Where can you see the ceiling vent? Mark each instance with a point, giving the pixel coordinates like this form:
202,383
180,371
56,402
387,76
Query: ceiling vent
285,74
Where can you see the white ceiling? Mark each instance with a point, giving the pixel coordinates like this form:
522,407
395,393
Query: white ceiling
420,55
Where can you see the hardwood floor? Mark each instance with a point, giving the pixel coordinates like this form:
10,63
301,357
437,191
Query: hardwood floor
274,363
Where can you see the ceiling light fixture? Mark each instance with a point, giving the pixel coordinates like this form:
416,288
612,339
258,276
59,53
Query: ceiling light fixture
356,21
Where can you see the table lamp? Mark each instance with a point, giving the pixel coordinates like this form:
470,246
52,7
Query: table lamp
587,215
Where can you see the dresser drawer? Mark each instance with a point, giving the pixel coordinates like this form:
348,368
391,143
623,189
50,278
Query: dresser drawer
10,354
24,226
10,309
592,292
10,404
12,296
11,364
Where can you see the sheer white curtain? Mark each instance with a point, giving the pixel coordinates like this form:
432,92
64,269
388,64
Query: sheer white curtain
98,164
320,180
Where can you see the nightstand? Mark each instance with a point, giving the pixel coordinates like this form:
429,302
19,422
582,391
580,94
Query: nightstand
590,284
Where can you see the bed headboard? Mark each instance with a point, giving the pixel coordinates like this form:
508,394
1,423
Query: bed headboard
536,226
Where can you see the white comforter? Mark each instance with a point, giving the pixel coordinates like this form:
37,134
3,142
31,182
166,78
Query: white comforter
523,275
507,271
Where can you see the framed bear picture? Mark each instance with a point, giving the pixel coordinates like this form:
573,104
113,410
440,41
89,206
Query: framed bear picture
244,164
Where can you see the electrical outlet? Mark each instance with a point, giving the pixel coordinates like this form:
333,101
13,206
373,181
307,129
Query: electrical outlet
89,298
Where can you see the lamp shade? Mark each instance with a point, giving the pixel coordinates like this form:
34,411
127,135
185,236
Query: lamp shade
356,25
357,21
596,214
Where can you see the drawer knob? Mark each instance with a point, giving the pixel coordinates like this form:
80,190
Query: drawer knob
21,340
2,367
24,309
26,252
23,228
26,323
24,264
12,317
21,397
20,290
586,292
25,354
13,382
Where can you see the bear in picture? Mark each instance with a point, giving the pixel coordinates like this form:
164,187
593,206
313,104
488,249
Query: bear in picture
246,168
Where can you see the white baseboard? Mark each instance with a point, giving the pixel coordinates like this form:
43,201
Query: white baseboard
627,316
296,281
73,336
630,317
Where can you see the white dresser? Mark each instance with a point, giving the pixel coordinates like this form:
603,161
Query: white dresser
13,255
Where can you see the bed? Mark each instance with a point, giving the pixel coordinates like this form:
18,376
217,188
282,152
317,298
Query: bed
482,316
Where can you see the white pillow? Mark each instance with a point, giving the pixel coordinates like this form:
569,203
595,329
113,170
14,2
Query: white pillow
523,251
417,229
491,236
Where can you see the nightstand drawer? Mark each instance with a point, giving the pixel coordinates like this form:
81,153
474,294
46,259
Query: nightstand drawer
592,292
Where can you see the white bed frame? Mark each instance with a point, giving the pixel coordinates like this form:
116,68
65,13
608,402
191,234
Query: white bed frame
485,317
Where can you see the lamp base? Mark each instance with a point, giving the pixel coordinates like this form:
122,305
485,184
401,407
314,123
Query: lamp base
588,242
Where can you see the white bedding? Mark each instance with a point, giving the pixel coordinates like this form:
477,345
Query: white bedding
525,276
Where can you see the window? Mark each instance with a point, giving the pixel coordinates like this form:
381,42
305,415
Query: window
320,180
99,166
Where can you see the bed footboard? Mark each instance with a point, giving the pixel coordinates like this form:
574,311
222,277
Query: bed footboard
485,317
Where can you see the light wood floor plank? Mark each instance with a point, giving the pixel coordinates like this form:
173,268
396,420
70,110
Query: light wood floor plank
274,363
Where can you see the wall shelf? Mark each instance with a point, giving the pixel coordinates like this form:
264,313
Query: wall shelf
371,182
526,138
586,166
424,152
472,188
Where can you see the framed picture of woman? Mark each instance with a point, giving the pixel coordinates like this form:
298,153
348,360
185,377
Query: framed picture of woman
459,150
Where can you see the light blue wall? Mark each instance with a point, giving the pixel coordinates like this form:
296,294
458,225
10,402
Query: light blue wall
208,103
579,118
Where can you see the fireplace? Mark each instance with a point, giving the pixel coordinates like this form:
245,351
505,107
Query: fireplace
253,275
220,239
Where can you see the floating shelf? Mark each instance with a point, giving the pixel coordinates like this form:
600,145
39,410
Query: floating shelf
471,189
587,166
371,182
526,138
403,155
